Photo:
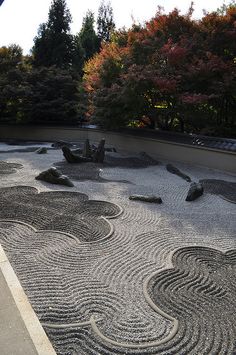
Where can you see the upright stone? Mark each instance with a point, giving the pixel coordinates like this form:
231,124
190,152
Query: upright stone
99,154
87,151
195,191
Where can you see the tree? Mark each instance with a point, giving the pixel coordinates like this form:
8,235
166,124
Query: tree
37,95
10,58
54,44
53,96
178,72
87,37
105,22
11,81
101,80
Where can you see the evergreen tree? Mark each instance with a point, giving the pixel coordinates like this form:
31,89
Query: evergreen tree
87,36
54,43
53,96
12,83
105,22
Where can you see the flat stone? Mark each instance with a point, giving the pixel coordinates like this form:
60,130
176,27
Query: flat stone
146,198
173,170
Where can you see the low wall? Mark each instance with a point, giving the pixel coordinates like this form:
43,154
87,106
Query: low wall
208,157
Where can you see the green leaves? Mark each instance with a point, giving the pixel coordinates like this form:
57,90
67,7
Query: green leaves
54,44
87,37
105,22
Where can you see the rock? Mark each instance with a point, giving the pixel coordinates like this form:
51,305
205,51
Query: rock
146,198
87,151
173,170
54,172
42,150
99,154
54,176
195,191
74,158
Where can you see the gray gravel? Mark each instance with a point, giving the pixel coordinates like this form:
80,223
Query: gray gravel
114,279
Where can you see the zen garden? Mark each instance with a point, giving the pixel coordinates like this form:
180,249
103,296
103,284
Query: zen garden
118,185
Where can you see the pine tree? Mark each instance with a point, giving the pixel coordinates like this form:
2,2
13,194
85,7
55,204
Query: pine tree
87,36
54,43
105,22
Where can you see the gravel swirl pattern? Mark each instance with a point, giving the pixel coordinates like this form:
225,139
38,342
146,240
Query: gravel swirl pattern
8,168
97,295
225,189
68,212
199,291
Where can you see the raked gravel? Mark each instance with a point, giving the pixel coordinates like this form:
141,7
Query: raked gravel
101,297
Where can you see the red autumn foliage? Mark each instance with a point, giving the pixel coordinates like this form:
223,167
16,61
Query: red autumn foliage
178,72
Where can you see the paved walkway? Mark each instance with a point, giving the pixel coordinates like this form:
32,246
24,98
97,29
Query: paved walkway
20,330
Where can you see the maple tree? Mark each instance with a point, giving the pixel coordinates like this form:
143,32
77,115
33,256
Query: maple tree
178,72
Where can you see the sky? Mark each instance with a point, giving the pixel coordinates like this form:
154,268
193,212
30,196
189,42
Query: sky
20,19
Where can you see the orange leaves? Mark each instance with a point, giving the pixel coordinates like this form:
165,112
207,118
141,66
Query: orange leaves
172,63
109,58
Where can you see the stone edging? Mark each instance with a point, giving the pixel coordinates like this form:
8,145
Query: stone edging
33,326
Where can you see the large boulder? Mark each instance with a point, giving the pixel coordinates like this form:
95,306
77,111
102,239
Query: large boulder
54,176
